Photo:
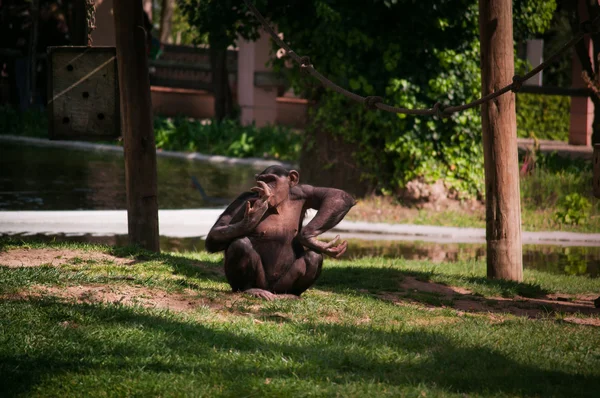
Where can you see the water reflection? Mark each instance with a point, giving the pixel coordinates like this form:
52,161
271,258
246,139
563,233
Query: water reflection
38,178
573,260
551,259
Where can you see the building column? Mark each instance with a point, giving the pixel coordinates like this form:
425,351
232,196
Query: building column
258,104
104,34
582,108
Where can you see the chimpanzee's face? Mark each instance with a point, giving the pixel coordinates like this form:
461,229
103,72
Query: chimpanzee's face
279,186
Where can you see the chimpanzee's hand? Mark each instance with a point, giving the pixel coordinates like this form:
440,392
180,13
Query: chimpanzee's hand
255,212
263,190
330,248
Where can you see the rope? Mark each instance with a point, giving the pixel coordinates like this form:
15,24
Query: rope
90,10
375,102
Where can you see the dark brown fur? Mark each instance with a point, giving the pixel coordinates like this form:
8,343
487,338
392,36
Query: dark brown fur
267,250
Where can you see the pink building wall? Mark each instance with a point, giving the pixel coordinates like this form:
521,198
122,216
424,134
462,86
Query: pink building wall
260,105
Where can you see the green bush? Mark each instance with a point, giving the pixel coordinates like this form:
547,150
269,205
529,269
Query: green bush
554,176
543,116
573,209
32,123
227,138
413,63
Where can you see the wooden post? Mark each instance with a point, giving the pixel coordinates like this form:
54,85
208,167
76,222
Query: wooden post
33,40
166,20
137,128
503,206
596,180
78,28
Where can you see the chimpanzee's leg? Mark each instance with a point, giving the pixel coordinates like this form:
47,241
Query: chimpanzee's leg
243,266
302,274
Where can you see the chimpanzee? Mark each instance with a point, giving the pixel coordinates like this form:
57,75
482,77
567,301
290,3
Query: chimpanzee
267,250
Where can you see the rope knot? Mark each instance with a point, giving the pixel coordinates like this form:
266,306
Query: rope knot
517,83
305,63
372,101
439,110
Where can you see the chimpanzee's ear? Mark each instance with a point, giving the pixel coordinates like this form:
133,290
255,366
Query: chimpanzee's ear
294,178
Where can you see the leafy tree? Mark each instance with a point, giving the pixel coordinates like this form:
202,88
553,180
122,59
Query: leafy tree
178,27
415,53
222,21
166,19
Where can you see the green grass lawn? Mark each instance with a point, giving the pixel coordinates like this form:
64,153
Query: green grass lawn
370,327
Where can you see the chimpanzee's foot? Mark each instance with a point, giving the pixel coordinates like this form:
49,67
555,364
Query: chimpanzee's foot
260,293
265,294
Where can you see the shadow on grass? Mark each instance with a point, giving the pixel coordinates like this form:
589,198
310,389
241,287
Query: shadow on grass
190,268
211,270
385,283
388,278
395,285
145,349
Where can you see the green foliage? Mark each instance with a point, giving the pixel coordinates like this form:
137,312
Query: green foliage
227,138
559,72
32,123
555,163
543,116
532,17
415,62
573,209
544,193
222,21
180,27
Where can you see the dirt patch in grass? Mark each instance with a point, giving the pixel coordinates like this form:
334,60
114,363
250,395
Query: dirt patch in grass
464,301
125,295
438,320
411,283
188,300
583,321
35,257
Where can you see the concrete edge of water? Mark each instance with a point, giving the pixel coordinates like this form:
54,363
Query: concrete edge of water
197,222
88,146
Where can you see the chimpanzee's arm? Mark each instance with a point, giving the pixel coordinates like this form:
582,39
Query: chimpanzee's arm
331,205
235,222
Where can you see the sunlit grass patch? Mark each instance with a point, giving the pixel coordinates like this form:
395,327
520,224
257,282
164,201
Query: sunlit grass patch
369,327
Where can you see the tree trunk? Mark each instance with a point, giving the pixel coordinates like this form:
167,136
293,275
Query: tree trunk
136,122
78,27
593,11
590,66
328,161
503,207
220,81
166,18
33,41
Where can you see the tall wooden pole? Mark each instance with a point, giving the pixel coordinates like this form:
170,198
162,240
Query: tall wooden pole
137,128
502,192
33,41
166,20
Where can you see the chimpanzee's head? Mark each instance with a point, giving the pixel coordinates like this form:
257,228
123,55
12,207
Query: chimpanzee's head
280,181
